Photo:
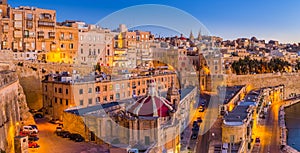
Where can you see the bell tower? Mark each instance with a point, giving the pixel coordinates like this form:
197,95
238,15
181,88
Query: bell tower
173,95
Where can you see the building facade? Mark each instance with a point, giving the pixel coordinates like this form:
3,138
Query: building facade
64,91
95,45
151,123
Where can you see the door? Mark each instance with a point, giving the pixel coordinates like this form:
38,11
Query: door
93,137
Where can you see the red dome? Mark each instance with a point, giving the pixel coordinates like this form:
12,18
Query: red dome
151,106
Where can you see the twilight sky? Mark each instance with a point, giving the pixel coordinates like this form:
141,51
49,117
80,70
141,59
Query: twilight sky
230,19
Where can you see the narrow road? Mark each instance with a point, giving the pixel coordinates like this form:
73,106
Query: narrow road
270,142
210,118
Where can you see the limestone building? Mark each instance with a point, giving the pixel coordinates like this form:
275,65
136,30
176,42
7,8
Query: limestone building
152,123
62,91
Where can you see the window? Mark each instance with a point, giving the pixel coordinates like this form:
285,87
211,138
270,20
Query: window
71,36
111,97
111,87
97,89
81,102
90,101
29,16
71,46
62,46
46,88
60,101
62,35
128,85
55,100
118,96
90,90
105,88
104,98
80,91
67,102
59,90
67,91
26,33
55,89
117,87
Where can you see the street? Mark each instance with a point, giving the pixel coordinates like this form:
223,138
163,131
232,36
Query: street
50,143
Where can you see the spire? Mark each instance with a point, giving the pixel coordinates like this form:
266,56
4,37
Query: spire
199,36
192,36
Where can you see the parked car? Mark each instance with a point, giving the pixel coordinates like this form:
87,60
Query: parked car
34,126
257,140
38,115
33,138
196,129
54,121
76,137
33,135
195,123
32,144
199,119
194,136
58,129
29,129
65,134
23,134
201,109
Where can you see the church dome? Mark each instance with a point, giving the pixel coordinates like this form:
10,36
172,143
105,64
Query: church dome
151,105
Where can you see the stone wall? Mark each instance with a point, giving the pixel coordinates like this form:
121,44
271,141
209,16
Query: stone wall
290,80
13,108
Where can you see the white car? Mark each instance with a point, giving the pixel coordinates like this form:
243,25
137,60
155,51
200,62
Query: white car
29,129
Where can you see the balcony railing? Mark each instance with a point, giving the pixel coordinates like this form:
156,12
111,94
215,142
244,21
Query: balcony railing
46,24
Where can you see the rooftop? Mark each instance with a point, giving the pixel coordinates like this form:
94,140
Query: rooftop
230,92
66,77
99,110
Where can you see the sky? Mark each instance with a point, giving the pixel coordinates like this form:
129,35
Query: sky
229,19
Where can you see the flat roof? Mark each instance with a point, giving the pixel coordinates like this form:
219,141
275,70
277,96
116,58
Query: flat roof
230,92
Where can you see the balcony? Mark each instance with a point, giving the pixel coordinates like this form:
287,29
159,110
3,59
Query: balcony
46,24
29,18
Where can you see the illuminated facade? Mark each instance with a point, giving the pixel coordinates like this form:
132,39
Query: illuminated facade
9,108
64,48
27,28
64,91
